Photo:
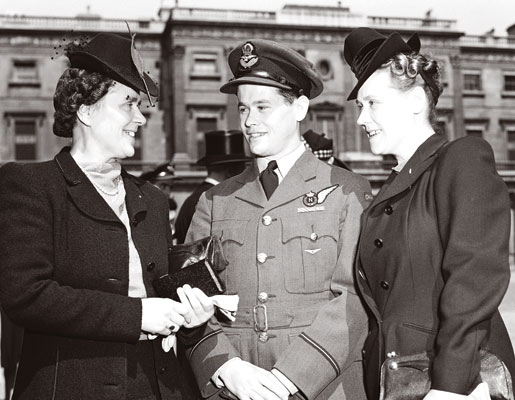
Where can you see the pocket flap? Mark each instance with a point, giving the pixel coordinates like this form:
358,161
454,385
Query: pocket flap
312,228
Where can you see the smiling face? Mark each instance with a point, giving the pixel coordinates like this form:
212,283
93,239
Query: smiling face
113,122
268,121
385,114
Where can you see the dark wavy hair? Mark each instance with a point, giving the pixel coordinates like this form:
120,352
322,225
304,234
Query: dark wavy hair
74,88
406,69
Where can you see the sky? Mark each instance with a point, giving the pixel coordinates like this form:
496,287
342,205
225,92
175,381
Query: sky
474,17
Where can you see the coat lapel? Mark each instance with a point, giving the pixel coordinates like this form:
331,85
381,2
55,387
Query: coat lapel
251,190
417,164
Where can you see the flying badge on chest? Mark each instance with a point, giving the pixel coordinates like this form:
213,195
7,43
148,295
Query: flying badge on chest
312,199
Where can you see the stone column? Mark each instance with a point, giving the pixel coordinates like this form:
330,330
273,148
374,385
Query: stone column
178,106
457,78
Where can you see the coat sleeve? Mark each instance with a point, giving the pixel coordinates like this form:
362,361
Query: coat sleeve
473,212
210,348
335,339
29,294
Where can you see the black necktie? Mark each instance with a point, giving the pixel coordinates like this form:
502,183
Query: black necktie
269,179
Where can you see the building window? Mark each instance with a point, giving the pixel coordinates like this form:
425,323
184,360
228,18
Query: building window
25,138
472,81
509,82
509,128
205,66
476,127
204,124
325,69
24,74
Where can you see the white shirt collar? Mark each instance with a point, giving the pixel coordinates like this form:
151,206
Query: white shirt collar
212,181
284,164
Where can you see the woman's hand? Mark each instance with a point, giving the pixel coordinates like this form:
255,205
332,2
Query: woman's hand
200,307
162,316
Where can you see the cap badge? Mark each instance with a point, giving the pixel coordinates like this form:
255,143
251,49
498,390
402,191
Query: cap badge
248,59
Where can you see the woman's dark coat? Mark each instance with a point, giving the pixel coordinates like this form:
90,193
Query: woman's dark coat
64,277
433,263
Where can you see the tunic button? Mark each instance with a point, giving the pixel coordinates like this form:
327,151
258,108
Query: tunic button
267,220
263,297
314,236
151,265
261,257
263,337
388,210
378,243
385,285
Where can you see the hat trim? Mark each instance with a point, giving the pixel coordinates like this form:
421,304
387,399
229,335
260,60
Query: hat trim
231,86
153,88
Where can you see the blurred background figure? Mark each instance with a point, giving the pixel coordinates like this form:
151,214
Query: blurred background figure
322,148
225,157
163,177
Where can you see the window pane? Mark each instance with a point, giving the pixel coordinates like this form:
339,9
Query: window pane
509,83
204,64
475,132
472,82
25,140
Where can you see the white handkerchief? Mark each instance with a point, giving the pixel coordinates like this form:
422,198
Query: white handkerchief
228,305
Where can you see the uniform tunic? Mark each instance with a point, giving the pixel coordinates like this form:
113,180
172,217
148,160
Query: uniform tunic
433,263
290,261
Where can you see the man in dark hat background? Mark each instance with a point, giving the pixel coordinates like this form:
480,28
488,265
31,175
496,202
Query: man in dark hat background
322,148
225,157
163,177
289,225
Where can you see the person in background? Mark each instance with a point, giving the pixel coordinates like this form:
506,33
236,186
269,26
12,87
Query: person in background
163,177
432,264
322,148
289,225
225,157
82,240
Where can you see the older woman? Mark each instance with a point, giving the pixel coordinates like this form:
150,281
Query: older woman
82,240
432,263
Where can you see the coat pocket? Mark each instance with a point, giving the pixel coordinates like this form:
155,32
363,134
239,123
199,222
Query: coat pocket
310,252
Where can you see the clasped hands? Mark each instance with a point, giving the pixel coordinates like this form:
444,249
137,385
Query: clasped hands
166,316
249,382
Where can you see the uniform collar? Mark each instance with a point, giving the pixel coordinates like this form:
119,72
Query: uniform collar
285,163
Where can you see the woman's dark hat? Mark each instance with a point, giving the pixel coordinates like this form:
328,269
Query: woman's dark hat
224,147
263,62
115,57
365,50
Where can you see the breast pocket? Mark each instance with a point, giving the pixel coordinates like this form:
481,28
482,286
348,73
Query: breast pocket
310,252
232,235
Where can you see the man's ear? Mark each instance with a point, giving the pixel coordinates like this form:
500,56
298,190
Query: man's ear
418,100
84,114
301,108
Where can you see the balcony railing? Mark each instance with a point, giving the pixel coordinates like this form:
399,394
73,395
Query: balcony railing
488,41
412,23
78,24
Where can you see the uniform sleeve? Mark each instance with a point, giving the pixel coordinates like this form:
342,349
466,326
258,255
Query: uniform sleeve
28,293
335,339
473,212
210,348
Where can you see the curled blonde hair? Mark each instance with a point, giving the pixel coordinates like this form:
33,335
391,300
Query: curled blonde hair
411,70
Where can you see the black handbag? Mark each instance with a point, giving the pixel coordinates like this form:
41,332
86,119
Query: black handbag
197,264
407,377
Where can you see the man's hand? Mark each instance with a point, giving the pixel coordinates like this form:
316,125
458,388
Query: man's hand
249,382
199,307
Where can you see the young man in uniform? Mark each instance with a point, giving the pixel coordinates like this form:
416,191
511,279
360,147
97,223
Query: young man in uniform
289,226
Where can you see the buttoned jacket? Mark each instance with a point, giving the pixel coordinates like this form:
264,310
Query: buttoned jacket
64,277
433,266
290,261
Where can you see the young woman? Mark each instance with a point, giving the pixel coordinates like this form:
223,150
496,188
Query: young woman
81,242
432,264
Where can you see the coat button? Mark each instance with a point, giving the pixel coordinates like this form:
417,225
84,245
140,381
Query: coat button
261,257
263,297
388,210
385,285
263,337
135,222
169,250
314,236
267,220
378,243
162,370
151,265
